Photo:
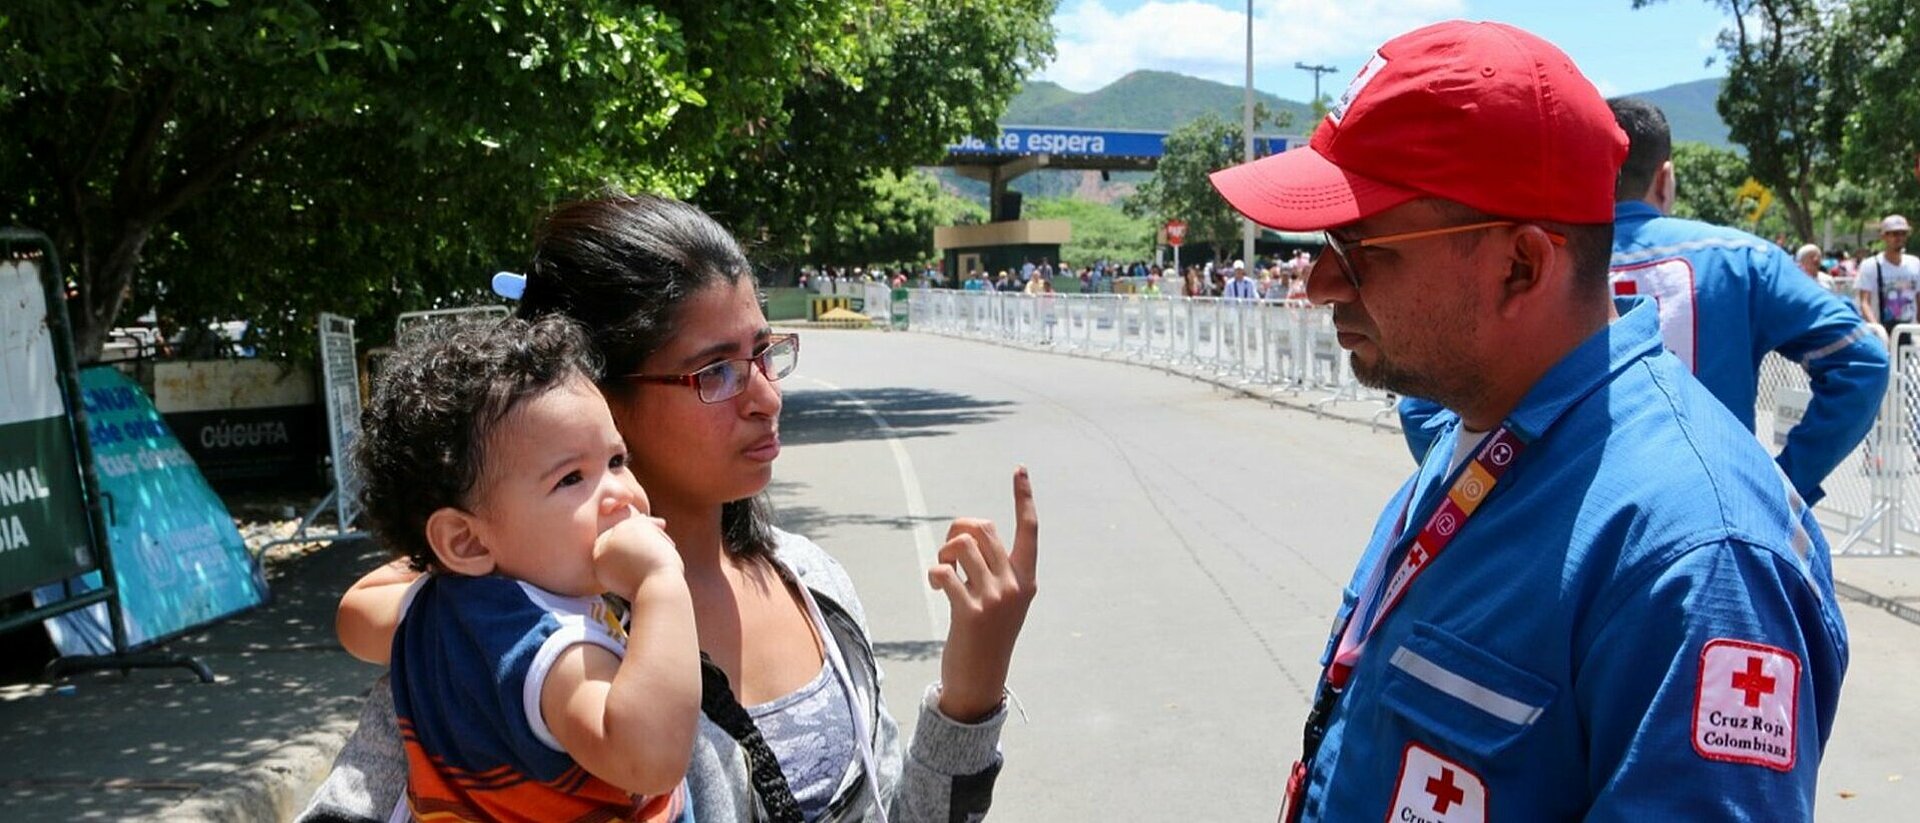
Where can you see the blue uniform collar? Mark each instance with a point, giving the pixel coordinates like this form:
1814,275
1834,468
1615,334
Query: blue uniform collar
1633,337
1636,210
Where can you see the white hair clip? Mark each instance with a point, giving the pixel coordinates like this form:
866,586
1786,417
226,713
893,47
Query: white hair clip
509,285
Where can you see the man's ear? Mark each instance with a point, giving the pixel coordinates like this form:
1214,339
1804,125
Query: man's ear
1664,190
455,536
1532,263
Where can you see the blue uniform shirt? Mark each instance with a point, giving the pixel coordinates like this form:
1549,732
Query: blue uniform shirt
1638,623
1726,298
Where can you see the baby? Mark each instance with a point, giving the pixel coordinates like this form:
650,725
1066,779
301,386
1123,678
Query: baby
492,464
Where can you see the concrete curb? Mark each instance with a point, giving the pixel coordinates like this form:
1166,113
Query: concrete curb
276,787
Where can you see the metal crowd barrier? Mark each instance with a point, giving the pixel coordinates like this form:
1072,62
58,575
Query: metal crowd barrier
1272,348
1261,348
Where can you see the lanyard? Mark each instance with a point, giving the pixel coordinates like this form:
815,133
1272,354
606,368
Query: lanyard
1490,462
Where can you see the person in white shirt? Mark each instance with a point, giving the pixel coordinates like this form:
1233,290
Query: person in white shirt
1809,259
1241,287
1889,280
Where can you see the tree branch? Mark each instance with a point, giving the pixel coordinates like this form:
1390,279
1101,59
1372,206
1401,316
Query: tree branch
196,181
100,131
137,165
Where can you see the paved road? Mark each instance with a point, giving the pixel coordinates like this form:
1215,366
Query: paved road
1193,550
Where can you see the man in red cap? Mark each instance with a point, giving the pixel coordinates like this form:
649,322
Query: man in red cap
1598,599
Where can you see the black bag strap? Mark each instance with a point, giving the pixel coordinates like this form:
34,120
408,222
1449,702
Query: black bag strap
1879,283
763,769
1879,263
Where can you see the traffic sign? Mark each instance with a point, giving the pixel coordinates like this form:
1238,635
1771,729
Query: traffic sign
1176,232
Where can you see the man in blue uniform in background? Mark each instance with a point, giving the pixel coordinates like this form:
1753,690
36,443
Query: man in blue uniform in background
1726,298
1598,599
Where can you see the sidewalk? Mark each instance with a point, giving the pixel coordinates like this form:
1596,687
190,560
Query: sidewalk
158,744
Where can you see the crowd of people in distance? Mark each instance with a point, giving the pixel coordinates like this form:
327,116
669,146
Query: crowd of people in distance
1279,277
1274,278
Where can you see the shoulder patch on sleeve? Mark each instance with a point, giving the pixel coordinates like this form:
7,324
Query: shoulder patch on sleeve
1746,703
1670,282
1433,789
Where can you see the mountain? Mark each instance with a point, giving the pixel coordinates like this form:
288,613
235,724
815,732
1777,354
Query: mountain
1159,101
1149,100
1033,101
1691,112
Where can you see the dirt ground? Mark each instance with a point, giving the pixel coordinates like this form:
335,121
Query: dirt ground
269,515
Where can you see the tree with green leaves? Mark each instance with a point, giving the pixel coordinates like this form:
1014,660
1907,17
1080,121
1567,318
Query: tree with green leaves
1100,231
929,74
1179,189
895,224
1708,179
1875,58
1778,100
270,159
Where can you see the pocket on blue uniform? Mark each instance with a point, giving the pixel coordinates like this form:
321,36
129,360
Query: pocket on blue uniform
1461,694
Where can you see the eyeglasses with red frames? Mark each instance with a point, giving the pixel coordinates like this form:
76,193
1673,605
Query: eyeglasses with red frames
726,379
1339,247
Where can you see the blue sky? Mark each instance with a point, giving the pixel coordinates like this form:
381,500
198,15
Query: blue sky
1622,50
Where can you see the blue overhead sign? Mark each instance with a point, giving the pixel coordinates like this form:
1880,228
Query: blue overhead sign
1091,142
1071,142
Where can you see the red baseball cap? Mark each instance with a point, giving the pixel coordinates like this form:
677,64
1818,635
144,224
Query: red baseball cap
1482,114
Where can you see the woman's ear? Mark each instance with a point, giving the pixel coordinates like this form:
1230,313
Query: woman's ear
457,544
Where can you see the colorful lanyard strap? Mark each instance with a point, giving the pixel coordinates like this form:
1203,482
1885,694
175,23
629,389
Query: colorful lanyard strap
1490,462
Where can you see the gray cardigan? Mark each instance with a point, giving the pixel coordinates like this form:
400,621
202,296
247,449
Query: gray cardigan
948,773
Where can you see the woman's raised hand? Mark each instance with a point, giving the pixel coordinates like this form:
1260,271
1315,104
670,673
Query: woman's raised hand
988,591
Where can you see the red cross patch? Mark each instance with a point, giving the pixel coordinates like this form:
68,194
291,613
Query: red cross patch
1433,789
1745,705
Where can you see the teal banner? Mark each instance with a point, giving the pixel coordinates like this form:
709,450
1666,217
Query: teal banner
179,561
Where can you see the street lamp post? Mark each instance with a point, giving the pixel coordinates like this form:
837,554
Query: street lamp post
1246,138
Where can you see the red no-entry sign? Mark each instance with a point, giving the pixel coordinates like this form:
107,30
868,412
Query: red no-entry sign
1176,232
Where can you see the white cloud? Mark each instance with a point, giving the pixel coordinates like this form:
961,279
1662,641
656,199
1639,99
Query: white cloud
1097,45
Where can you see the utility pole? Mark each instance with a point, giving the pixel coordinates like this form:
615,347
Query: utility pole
1317,71
1247,228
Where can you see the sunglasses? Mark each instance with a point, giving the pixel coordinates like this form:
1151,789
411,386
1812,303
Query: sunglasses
1351,270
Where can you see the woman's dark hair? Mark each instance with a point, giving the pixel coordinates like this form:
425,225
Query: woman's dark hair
423,438
622,265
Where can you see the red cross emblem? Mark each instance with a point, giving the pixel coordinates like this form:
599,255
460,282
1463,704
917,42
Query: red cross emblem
1746,704
1752,683
1445,794
1434,787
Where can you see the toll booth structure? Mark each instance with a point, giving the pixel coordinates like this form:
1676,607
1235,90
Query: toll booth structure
992,247
1009,242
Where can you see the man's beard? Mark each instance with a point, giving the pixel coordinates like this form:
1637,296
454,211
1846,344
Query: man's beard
1452,385
1384,375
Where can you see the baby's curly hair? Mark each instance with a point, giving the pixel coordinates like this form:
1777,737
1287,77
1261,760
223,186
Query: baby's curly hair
423,437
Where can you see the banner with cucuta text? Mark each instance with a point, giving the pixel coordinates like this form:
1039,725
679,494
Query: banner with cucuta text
179,560
43,510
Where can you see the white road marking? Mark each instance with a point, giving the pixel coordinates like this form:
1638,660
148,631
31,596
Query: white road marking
923,543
